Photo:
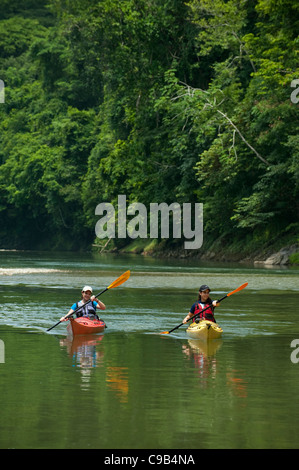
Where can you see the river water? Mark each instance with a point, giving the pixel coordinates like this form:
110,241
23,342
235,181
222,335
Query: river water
131,387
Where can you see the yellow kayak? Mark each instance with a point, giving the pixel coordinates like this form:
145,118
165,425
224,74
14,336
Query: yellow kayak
204,330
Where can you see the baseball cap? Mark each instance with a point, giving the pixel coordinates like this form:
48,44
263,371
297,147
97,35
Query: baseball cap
85,288
204,287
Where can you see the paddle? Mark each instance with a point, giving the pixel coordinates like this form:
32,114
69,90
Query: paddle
120,280
220,300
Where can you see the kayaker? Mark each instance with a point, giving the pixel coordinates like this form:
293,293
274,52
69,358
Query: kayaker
203,302
88,310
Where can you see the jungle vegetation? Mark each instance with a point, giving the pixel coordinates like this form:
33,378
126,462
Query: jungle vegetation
160,100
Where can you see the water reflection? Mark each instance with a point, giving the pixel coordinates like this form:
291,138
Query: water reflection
236,384
117,380
86,356
203,356
206,348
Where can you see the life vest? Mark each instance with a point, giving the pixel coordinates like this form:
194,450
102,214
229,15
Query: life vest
87,309
208,314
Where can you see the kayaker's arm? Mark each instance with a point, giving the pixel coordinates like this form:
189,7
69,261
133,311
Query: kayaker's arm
187,317
100,305
67,315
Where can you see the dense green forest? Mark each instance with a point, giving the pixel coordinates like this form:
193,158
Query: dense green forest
159,100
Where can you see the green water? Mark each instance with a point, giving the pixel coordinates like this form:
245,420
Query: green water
133,388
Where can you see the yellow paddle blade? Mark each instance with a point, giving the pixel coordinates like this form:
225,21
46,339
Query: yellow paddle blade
120,280
164,333
239,288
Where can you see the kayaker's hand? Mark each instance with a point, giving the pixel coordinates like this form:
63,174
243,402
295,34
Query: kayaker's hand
215,303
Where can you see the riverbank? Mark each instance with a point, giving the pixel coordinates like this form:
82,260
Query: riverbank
250,252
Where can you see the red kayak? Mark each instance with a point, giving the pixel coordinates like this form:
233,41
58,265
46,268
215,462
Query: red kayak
85,326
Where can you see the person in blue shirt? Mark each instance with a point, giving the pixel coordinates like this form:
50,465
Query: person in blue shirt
88,308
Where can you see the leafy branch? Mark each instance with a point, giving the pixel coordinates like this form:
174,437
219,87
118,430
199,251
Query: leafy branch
212,104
